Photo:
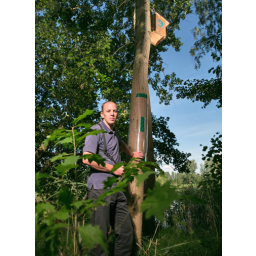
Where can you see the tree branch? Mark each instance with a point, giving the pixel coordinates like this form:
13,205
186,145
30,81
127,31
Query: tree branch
120,49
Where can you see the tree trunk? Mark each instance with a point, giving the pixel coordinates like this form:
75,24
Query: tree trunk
139,115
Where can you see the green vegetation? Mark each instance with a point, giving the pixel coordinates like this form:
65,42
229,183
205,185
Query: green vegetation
84,53
190,213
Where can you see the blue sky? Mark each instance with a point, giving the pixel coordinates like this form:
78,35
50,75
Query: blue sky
191,124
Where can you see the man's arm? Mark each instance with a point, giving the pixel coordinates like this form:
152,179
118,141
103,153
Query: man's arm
126,150
99,167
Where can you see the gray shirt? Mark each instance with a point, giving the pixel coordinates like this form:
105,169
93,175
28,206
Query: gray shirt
94,143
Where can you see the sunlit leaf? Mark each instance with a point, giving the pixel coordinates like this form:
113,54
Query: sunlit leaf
58,157
87,125
66,140
84,115
71,159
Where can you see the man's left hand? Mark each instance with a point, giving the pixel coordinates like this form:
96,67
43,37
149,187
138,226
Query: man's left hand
138,154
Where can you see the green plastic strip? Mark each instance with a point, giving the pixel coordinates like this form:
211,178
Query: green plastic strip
141,95
142,124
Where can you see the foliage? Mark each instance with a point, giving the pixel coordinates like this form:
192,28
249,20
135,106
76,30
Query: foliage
198,215
168,241
65,193
209,39
213,163
165,194
208,36
68,195
164,146
193,210
84,53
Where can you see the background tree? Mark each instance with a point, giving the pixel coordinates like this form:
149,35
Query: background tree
208,36
84,53
209,39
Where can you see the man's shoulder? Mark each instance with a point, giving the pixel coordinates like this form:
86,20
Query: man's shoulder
96,127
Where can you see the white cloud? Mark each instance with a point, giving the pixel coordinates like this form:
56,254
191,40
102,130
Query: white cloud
168,168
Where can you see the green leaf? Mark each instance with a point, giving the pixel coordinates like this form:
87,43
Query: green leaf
95,132
92,235
44,207
60,215
45,142
85,114
66,197
58,157
156,207
116,166
63,168
57,226
77,204
94,157
141,177
64,141
119,187
210,70
71,159
38,176
109,182
92,132
85,125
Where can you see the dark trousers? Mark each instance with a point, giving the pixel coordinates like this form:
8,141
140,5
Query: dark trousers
116,214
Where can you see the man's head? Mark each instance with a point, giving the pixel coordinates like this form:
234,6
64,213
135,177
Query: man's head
109,113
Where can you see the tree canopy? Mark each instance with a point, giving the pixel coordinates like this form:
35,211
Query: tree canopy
85,53
208,36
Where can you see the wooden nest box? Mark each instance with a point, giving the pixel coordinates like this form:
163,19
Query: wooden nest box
158,28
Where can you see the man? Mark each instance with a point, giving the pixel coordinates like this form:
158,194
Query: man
116,210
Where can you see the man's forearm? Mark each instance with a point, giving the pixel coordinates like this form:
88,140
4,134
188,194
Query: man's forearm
137,154
96,166
99,167
125,149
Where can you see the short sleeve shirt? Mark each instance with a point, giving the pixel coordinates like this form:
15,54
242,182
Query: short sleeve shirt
95,145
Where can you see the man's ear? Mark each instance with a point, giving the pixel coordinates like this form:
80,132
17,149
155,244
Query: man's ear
101,114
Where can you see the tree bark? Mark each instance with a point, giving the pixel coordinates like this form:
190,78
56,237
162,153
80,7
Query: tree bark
139,116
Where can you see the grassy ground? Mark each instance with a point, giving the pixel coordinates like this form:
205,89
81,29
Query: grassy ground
167,241
172,242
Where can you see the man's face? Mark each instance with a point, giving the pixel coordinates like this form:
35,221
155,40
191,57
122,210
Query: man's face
109,113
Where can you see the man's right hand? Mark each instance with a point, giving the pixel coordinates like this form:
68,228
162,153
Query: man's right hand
119,171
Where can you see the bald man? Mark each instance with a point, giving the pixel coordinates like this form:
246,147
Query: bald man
115,213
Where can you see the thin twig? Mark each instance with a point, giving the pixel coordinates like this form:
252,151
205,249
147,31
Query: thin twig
122,3
128,66
156,230
120,48
58,99
140,247
151,240
155,247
